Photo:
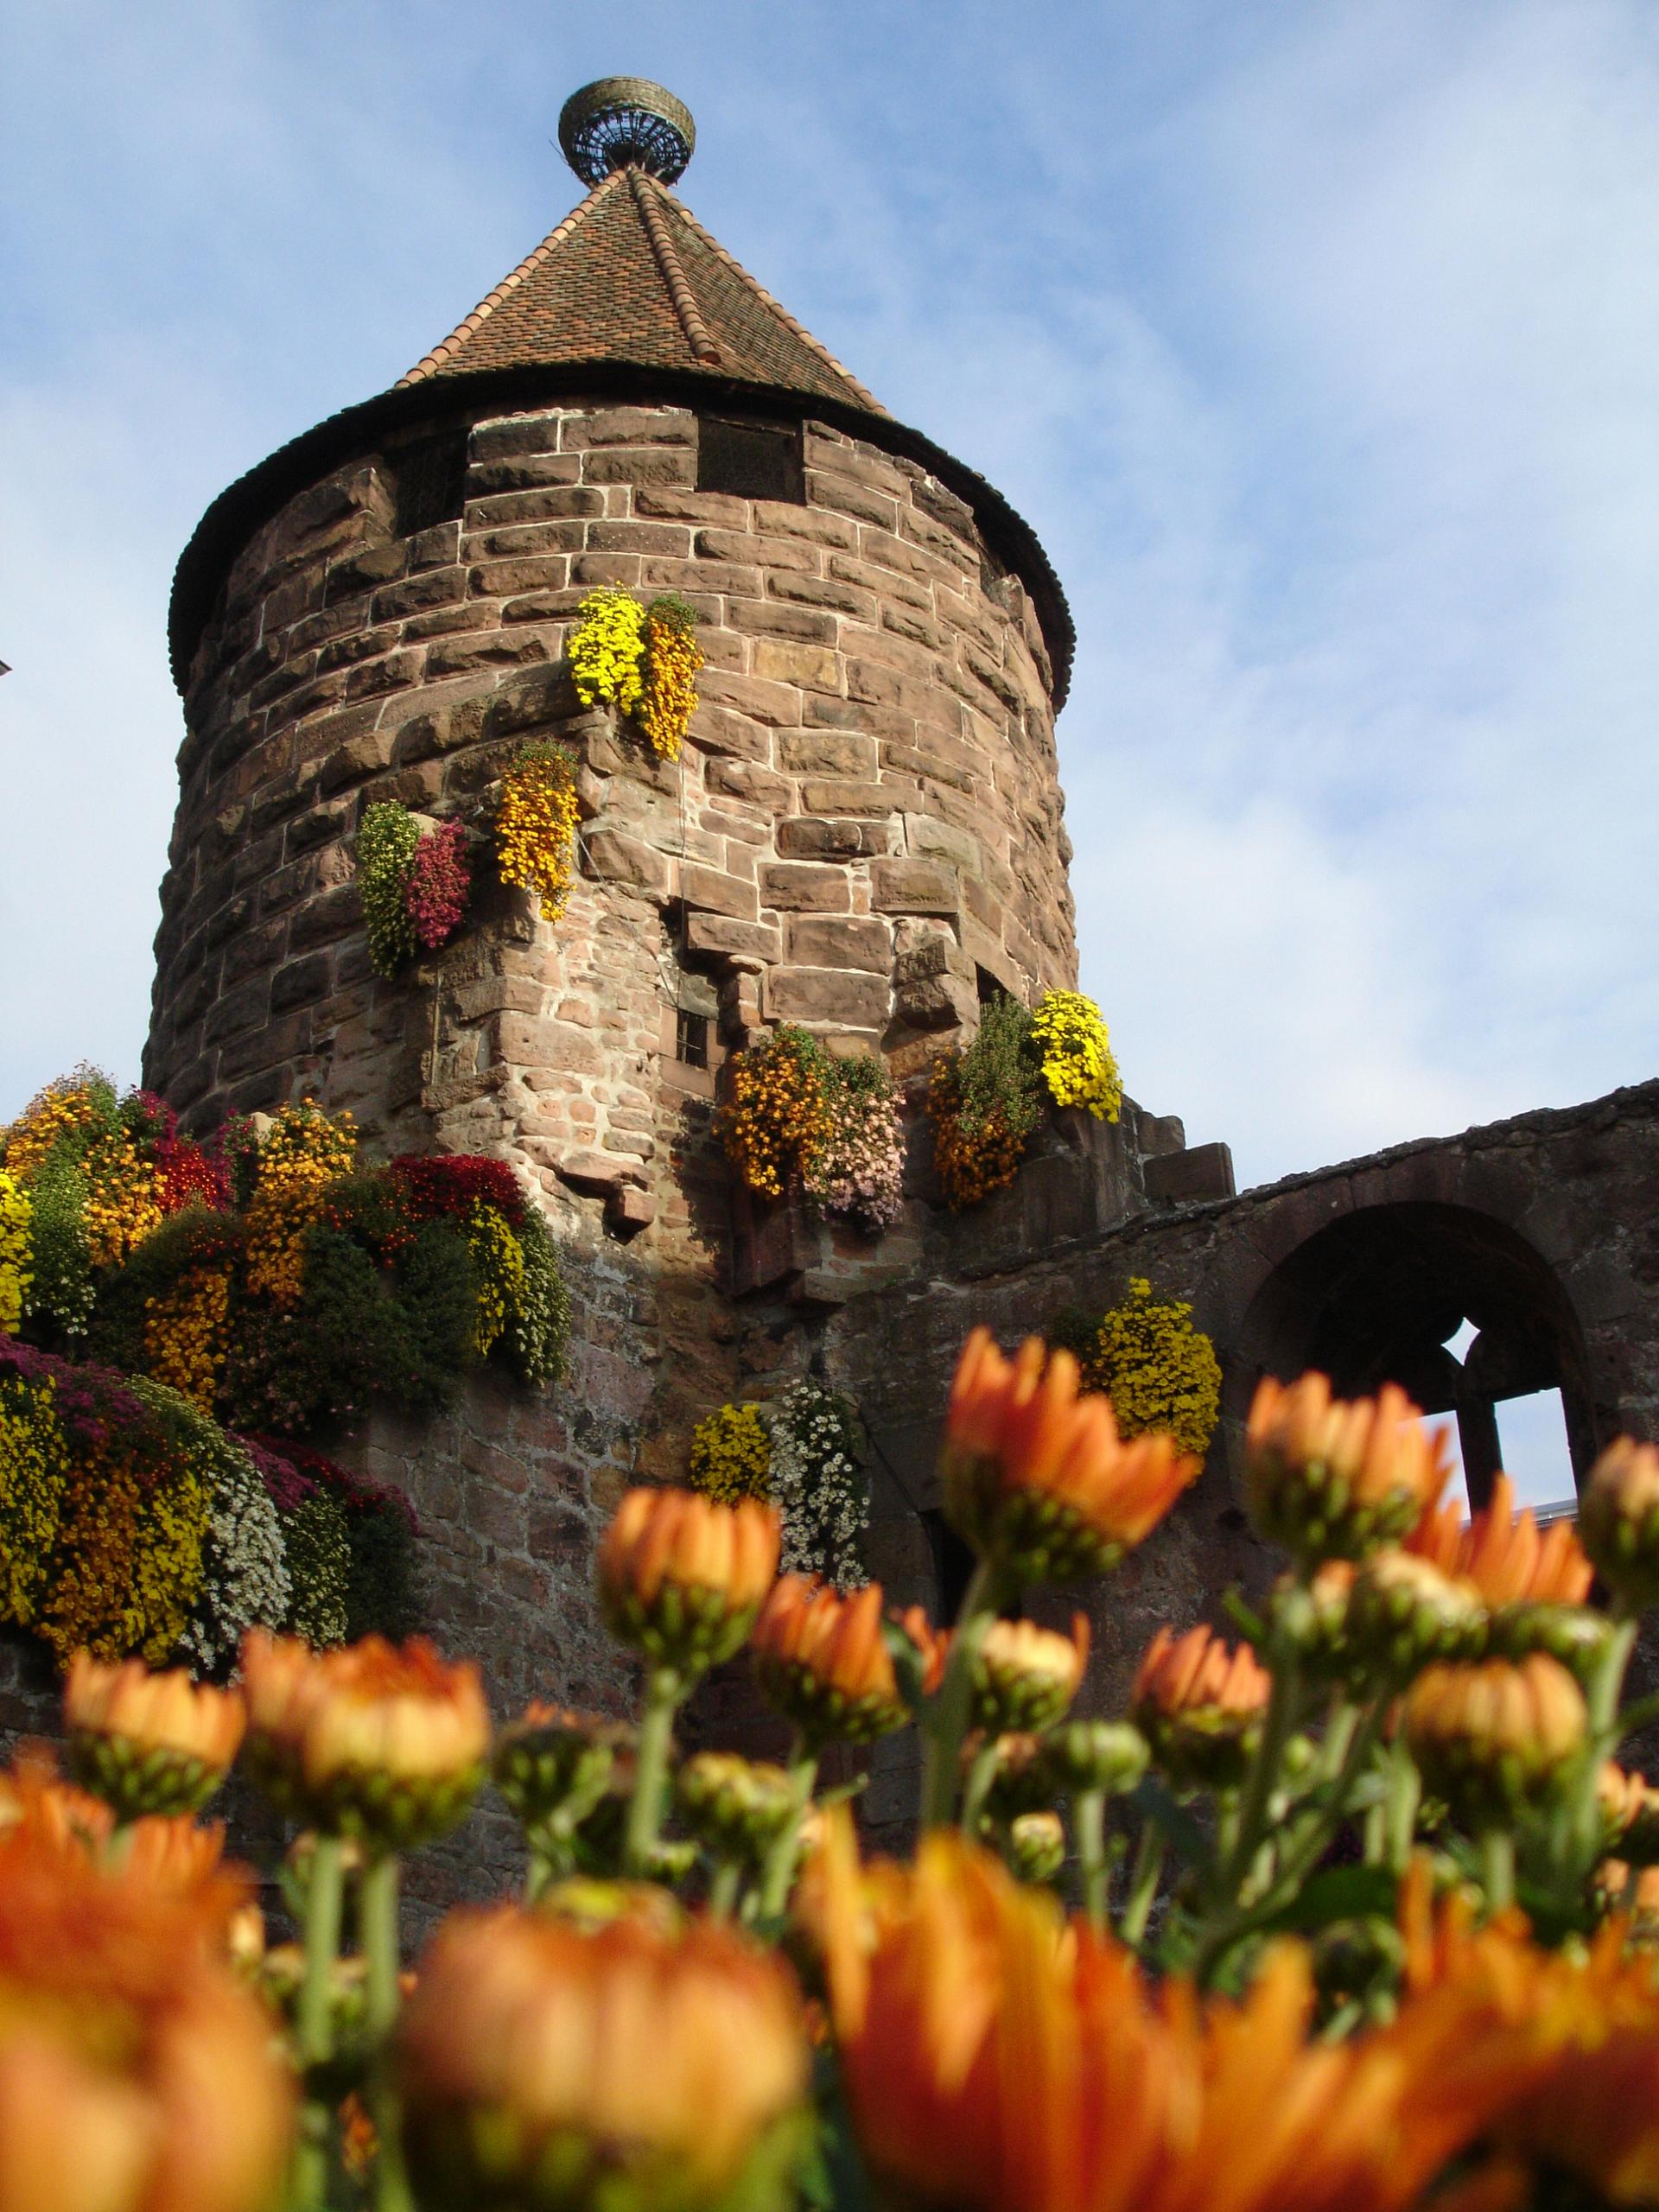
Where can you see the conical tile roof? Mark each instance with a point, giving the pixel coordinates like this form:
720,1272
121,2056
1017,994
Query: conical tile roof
631,275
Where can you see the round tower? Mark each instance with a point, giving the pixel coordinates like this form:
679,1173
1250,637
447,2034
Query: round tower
863,834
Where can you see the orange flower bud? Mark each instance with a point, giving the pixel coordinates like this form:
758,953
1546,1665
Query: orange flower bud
552,1766
1402,1612
736,1808
823,1660
1493,1739
681,1578
627,2065
1025,1676
1629,1808
1201,1705
374,1741
1333,1480
1036,1476
1619,1519
147,1743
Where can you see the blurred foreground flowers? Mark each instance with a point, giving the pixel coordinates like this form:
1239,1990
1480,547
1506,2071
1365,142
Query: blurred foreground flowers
1353,1911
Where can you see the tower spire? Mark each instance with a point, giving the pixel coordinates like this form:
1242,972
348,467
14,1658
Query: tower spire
619,123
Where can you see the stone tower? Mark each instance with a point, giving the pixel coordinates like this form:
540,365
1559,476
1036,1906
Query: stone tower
863,834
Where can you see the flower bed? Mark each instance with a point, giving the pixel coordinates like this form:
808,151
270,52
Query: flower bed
797,1116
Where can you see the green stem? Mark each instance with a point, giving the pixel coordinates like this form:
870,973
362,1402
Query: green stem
1089,1817
324,1897
313,2020
981,1775
1602,1692
378,1915
723,1889
1302,1852
1405,1791
1234,1863
778,1877
1497,1867
945,1722
663,1694
1143,1883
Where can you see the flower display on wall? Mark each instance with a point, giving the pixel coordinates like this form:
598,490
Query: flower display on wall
640,658
731,1455
536,825
131,1523
294,1284
797,1116
819,1484
1159,1372
985,1101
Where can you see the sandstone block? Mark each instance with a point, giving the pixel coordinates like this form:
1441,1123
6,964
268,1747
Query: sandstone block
619,858
515,434
810,838
914,887
750,547
885,687
799,887
747,780
849,795
931,839
717,893
359,758
724,933
587,1169
826,752
845,495
761,701
774,618
828,591
639,536
1205,1171
840,941
828,994
630,426
461,656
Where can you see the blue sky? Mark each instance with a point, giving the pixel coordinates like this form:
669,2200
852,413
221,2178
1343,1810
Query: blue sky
1319,342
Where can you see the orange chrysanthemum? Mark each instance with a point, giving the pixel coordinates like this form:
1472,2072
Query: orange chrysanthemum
1333,1480
1025,1676
823,1660
1200,1704
630,2058
1506,1556
681,1578
148,1742
1035,1475
376,1740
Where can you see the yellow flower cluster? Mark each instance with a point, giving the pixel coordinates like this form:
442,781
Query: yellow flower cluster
34,1470
1159,1372
673,658
498,1265
731,1455
14,1272
606,650
535,824
123,1198
775,1120
300,1156
186,1333
70,1103
972,1158
1077,1067
131,1554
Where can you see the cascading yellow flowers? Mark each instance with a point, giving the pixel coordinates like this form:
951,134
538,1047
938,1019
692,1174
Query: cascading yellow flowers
186,1333
499,1264
731,1455
1070,1039
536,825
303,1154
15,1274
672,659
607,648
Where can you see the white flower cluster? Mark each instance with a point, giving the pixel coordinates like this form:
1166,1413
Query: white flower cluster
244,1578
818,1486
858,1171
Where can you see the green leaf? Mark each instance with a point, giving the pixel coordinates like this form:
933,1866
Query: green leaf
1335,1893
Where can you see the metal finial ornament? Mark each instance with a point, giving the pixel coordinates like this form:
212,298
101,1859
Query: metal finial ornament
621,123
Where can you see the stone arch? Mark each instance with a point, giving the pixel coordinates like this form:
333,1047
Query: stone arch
1374,1296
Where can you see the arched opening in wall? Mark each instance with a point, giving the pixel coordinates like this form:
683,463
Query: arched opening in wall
1459,1311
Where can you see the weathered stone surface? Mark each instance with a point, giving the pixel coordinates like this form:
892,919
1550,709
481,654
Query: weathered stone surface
797,886
810,838
818,995
719,894
1190,1177
840,941
905,887
761,941
625,860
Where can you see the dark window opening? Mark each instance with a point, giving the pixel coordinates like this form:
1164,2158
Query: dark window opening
987,985
750,460
692,1039
431,480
